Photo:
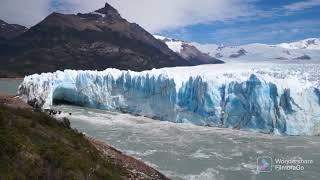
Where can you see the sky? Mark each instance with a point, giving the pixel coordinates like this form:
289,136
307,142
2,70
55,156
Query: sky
230,22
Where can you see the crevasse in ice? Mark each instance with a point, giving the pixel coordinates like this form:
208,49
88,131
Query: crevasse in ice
268,99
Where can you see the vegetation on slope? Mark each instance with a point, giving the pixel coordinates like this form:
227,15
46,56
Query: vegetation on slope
36,146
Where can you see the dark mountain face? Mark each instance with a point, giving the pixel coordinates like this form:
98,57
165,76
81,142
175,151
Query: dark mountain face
10,31
97,40
304,57
190,53
241,52
196,57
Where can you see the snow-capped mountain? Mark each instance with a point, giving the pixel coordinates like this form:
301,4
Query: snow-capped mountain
312,43
188,51
307,50
267,97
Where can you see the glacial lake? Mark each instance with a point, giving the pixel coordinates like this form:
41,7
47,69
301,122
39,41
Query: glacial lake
185,151
9,86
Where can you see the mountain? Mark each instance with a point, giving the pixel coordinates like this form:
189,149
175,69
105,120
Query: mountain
306,50
9,31
188,51
97,40
311,43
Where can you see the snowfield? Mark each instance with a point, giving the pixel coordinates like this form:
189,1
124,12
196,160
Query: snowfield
262,52
269,98
311,43
174,45
307,51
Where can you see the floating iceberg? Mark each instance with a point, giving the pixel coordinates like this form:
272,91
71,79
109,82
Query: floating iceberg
282,99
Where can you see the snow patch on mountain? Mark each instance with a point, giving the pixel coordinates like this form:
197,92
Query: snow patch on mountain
97,13
262,53
311,43
188,51
174,45
304,50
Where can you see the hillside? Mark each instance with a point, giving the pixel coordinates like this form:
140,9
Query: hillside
10,31
36,146
97,40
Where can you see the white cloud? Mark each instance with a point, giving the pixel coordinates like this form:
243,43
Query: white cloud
75,6
154,15
302,5
161,15
158,15
23,12
266,33
31,12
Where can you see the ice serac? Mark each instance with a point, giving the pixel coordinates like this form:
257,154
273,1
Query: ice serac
281,100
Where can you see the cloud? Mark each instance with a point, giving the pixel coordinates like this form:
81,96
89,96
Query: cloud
154,15
23,12
31,12
75,6
267,33
302,5
158,15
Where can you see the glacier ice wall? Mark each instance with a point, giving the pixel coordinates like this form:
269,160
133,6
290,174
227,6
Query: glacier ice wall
265,100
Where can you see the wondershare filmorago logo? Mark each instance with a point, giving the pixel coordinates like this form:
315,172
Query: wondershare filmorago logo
264,164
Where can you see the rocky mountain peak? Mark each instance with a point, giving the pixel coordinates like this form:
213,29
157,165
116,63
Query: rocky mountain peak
94,41
312,41
9,31
2,22
109,11
188,51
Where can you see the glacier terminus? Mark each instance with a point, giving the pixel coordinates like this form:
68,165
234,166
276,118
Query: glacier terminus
269,98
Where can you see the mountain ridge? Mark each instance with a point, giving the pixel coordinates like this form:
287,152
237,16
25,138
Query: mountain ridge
10,31
309,43
303,50
297,51
92,41
189,51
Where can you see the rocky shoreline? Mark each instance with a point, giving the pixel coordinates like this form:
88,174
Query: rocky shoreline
13,102
136,169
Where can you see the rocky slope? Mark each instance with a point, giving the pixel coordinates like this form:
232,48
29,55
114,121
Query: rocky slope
97,40
188,51
10,31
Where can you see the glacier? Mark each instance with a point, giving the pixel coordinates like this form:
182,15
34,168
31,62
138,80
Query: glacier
268,98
